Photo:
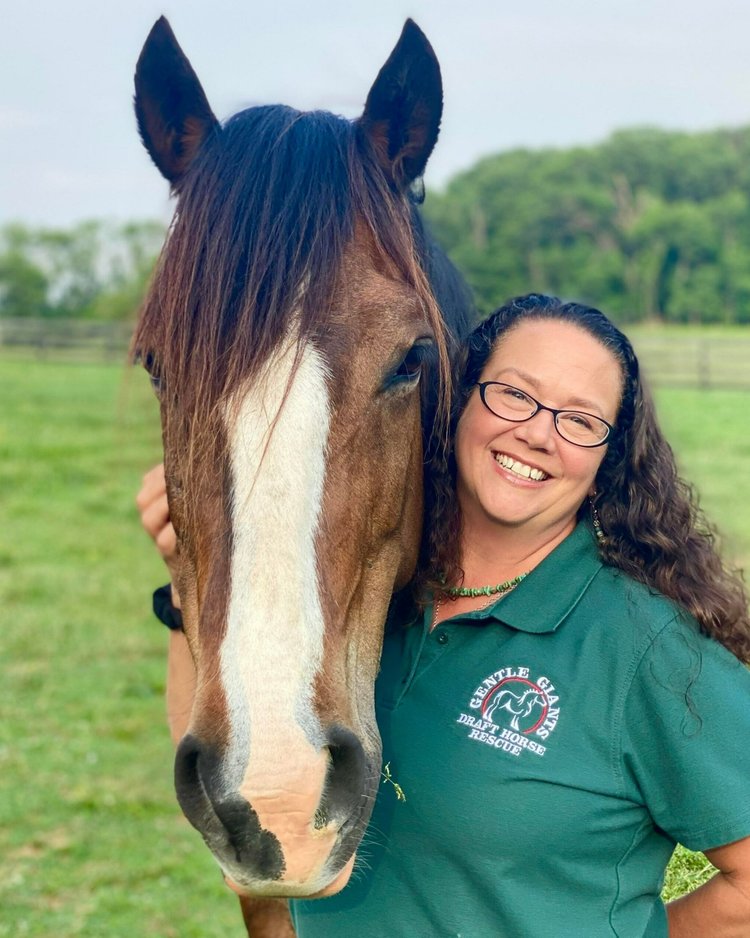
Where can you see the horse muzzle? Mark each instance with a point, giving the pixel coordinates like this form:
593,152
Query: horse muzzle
295,834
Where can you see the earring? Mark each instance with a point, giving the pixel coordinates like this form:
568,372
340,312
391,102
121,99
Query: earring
596,522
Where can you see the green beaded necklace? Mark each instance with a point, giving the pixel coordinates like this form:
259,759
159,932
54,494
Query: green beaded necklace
485,590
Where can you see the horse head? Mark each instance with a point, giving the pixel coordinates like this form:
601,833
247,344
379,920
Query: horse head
288,329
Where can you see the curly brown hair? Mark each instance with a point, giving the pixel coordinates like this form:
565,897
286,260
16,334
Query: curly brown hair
653,528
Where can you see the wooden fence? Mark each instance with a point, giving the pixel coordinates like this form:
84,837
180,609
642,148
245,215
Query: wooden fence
675,358
67,339
681,359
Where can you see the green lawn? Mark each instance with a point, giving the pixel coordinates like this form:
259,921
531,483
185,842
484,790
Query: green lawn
91,840
708,432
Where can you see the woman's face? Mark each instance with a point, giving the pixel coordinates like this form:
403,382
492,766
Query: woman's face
562,366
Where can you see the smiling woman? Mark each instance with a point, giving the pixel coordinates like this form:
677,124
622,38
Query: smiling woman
556,674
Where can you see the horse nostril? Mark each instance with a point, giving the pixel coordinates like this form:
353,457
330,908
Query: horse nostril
186,761
228,823
190,762
345,781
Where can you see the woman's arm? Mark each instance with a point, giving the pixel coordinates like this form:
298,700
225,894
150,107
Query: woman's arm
180,685
721,907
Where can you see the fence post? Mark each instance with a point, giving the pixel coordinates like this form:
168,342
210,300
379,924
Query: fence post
704,365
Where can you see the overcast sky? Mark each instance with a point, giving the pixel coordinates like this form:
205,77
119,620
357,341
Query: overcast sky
525,73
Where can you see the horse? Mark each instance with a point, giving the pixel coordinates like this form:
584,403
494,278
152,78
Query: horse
517,705
298,331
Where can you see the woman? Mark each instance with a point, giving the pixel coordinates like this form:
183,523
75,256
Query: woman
570,701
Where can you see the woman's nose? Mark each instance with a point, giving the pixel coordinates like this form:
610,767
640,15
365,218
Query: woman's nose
538,431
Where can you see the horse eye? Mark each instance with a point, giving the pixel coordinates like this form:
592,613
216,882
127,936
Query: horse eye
409,370
148,360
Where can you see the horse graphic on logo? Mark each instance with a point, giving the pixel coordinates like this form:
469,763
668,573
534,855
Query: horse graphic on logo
519,705
513,712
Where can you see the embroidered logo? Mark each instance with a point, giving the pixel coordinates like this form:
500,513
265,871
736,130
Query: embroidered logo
513,711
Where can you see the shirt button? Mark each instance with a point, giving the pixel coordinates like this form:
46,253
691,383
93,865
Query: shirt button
442,638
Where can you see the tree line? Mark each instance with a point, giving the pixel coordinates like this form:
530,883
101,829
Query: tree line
650,224
95,270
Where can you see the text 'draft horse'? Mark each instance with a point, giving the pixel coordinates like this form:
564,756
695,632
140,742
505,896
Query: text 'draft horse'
298,331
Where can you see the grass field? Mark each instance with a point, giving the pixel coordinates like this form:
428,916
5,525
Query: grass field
91,840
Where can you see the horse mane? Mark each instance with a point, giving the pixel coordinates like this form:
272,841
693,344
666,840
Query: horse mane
272,195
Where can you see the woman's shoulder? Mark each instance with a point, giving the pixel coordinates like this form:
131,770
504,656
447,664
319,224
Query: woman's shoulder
636,604
656,627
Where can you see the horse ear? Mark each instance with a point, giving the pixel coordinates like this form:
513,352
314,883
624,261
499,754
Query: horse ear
403,109
173,113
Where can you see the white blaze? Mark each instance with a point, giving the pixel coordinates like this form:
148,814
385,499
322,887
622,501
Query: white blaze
274,639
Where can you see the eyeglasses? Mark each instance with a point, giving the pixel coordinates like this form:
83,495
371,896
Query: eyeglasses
575,426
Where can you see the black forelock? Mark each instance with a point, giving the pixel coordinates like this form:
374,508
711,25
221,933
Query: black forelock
274,190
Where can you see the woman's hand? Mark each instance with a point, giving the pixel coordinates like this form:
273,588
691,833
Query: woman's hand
154,511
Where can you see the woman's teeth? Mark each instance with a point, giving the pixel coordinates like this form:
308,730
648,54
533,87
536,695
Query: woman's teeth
519,468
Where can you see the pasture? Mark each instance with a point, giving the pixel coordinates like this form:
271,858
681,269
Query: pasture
91,840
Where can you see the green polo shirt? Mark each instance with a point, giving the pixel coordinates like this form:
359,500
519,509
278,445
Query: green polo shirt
552,749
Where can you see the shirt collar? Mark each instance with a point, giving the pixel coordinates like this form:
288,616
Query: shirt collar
548,595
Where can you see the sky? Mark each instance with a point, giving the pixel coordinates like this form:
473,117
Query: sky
531,73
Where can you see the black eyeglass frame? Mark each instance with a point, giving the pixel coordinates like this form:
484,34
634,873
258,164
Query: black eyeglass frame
483,385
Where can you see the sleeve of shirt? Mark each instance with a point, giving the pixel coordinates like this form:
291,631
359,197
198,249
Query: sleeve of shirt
686,738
